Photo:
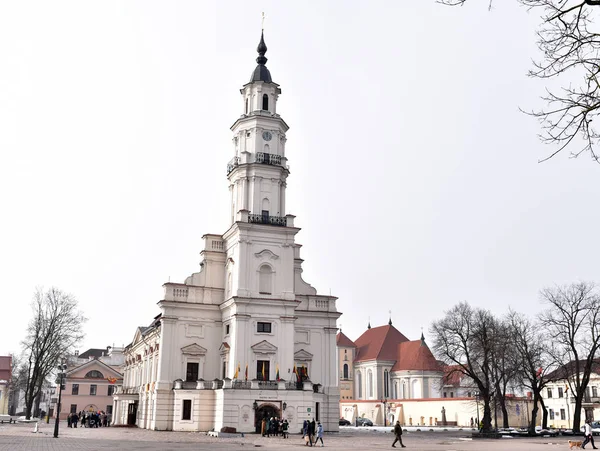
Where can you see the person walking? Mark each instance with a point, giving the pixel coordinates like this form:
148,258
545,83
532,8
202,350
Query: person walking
284,428
263,426
587,431
398,434
319,434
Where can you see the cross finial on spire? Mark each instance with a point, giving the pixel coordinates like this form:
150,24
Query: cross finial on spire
262,25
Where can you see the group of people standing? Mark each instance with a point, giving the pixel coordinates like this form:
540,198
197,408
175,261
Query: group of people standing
312,432
88,419
274,426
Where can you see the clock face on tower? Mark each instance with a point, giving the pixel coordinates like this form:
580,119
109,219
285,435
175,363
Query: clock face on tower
267,135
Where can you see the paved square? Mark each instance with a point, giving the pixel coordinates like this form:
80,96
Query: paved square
20,437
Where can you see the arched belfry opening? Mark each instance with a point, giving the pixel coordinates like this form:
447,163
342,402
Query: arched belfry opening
265,102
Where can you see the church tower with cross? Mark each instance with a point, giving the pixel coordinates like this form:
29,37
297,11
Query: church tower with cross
245,337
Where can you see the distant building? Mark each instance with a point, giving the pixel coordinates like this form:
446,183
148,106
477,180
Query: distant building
560,402
5,378
384,376
91,380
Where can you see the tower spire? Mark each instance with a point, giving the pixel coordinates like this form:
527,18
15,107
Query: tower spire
390,321
369,326
261,73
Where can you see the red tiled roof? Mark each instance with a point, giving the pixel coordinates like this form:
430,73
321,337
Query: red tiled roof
415,355
343,341
379,343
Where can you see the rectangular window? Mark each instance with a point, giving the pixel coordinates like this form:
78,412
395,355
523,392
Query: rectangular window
594,392
187,409
111,390
192,372
549,393
224,369
452,394
262,370
75,389
445,395
73,408
109,410
227,329
562,414
93,390
560,392
551,414
263,327
469,394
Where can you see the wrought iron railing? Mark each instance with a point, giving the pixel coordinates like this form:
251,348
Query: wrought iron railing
294,385
267,385
242,385
268,158
267,219
235,161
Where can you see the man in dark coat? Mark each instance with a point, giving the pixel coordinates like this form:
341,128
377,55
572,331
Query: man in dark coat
398,434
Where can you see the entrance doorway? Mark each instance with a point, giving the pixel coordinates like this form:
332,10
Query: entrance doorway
132,413
265,411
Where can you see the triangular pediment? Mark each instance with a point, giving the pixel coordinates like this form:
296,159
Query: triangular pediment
264,347
302,355
193,349
95,364
224,348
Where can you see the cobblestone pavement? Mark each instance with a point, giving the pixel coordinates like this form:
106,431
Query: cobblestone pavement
20,437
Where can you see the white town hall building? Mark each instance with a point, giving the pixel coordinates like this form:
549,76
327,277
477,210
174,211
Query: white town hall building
245,337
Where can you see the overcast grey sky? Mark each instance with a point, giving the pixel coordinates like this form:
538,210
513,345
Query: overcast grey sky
414,176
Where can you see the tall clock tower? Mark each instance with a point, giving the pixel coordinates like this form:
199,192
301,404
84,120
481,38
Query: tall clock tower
258,171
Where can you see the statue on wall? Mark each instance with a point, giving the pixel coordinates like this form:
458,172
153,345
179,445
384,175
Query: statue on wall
443,416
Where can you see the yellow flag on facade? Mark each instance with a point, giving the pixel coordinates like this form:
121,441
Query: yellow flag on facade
263,372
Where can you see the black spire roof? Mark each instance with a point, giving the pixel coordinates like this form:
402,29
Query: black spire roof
261,73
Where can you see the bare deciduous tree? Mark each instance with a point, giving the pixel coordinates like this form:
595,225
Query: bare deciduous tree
573,319
463,339
570,52
55,328
531,350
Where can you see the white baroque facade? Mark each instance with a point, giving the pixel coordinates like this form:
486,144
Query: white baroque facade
245,337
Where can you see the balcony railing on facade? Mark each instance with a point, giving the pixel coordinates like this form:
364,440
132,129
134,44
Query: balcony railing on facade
127,390
267,219
587,399
255,384
260,158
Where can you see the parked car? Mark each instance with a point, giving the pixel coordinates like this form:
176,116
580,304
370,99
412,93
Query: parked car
364,422
344,422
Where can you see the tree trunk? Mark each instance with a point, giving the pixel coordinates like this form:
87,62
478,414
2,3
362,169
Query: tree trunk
487,415
534,412
544,414
504,413
577,413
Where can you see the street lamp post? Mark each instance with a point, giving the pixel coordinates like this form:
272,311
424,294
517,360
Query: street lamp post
384,402
61,375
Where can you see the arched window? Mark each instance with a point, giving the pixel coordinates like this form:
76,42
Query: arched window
95,374
265,279
370,383
246,105
345,371
359,384
265,105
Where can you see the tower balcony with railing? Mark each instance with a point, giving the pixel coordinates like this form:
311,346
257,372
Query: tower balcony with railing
259,158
